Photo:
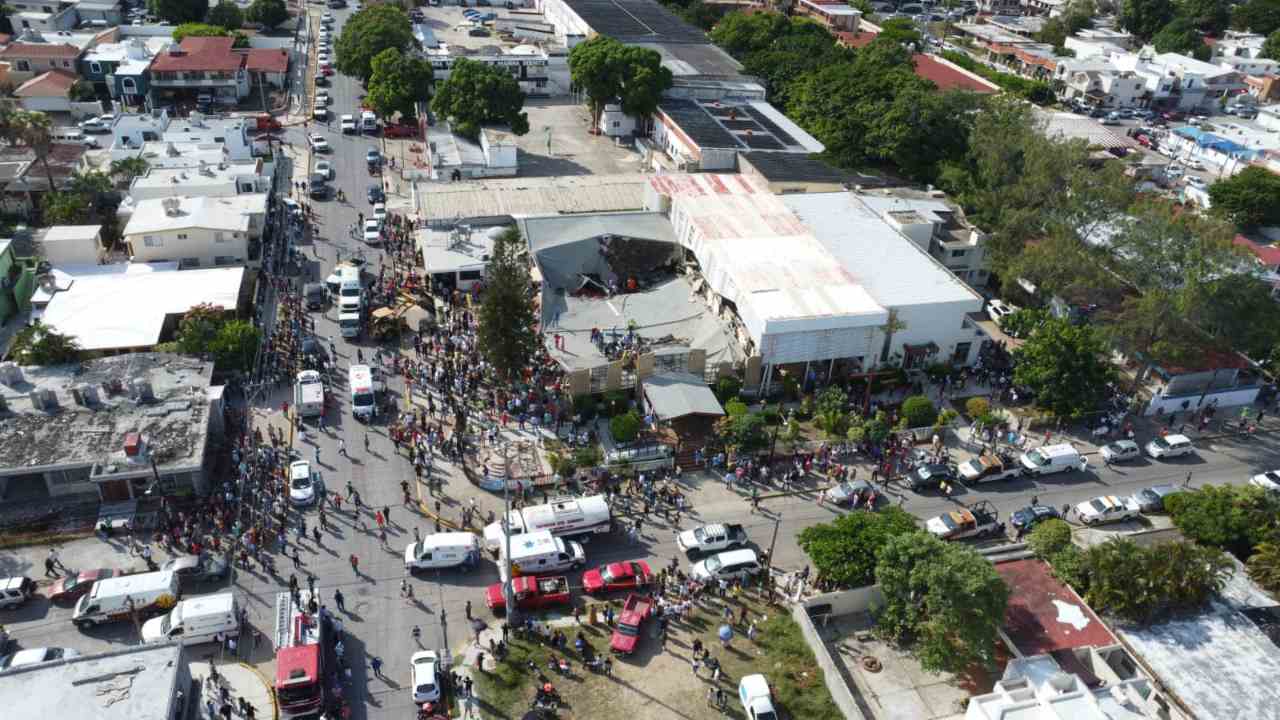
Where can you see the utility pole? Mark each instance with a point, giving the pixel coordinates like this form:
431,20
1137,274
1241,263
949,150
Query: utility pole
777,520
508,594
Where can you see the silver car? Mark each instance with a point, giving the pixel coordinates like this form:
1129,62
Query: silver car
1151,499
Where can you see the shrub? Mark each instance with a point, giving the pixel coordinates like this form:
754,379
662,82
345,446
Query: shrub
946,417
734,408
727,388
918,411
625,427
976,407
585,405
1049,537
588,456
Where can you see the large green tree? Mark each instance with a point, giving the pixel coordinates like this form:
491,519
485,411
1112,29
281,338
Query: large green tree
1144,18
1271,47
1264,564
235,345
944,600
477,94
506,336
367,33
1065,366
398,84
806,47
609,71
1146,584
741,34
227,14
176,12
1180,36
1235,518
1209,16
1249,198
845,550
38,344
1260,16
267,13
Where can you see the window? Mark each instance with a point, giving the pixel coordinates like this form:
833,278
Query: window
129,85
958,253
66,63
190,262
470,275
224,260
23,65
217,237
152,241
182,236
95,68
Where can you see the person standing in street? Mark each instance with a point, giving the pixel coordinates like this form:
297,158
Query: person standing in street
339,600
355,564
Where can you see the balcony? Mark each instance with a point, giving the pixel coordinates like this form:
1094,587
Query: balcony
208,81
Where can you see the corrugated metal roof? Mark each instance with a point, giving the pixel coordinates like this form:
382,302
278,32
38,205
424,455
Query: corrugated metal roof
531,196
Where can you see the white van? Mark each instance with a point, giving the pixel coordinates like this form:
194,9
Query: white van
196,620
308,394
115,598
727,565
443,550
71,136
541,552
562,516
364,398
368,122
349,324
1051,459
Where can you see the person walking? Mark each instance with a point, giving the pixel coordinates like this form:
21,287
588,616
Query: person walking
376,664
467,609
339,600
342,448
355,564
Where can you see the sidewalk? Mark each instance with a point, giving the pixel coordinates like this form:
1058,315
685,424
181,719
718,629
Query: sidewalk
241,681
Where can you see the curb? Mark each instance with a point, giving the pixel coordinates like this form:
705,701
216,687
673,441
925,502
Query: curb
271,693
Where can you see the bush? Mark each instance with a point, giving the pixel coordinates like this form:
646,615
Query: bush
1049,537
976,407
625,427
727,388
946,417
1068,565
615,402
918,411
585,406
734,408
772,414
806,408
588,456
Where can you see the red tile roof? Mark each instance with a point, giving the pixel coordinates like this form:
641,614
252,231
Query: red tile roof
200,53
855,40
949,76
267,60
40,50
1037,619
1267,253
55,83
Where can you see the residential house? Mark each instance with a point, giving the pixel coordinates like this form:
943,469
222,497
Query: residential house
708,135
33,53
454,157
1235,43
1226,156
196,231
1264,88
69,244
834,14
199,68
48,92
47,16
100,12
205,179
267,67
1106,89
119,70
1080,683
936,226
1266,256
24,178
1093,42
1249,66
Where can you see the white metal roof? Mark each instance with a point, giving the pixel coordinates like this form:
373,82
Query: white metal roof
212,213
81,233
890,267
124,305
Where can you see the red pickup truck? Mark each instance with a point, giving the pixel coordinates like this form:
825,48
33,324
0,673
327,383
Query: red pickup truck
531,593
627,634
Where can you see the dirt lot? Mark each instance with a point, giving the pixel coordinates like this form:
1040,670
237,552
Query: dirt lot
654,684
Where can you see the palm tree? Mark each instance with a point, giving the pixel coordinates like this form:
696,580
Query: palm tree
129,168
35,129
1264,566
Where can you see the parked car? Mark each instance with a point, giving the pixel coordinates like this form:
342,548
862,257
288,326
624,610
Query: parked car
930,476
304,483
1120,451
373,157
1151,499
101,124
324,170
628,575
1269,481
756,698
376,195
15,590
192,570
977,521
1031,515
35,656
424,676
318,143
626,635
1170,446
848,493
1107,509
348,124
68,589
712,538
999,310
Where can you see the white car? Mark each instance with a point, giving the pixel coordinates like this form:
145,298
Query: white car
1170,446
756,698
322,97
35,656
999,310
320,113
1197,182
380,211
302,483
1120,451
1107,509
372,231
325,168
424,676
1269,481
348,124
318,143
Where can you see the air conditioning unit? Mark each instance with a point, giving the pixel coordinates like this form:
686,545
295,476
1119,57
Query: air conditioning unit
10,373
140,390
43,399
85,395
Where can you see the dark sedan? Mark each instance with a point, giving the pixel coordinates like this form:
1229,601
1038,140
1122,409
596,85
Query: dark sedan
930,476
1030,516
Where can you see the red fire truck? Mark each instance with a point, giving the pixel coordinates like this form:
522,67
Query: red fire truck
300,659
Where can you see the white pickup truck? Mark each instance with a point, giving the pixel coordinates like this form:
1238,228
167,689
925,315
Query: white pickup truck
757,698
712,538
308,394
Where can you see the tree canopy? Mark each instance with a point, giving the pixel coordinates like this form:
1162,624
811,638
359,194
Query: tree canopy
1208,16
1146,584
1259,16
177,12
477,94
1180,36
398,83
1249,198
1235,518
227,14
1065,366
211,331
845,550
267,13
944,600
367,33
609,71
1145,18
1271,47
506,335
39,344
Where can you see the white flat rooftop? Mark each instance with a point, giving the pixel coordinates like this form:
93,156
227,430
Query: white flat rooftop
108,307
132,684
